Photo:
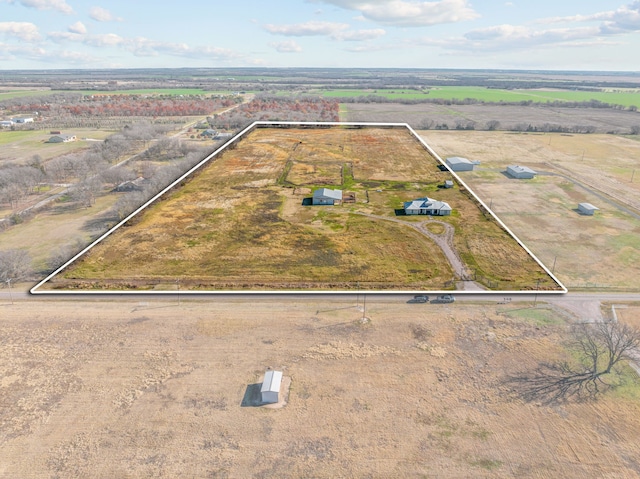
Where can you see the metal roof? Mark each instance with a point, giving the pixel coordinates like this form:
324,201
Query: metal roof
457,160
328,194
521,169
271,383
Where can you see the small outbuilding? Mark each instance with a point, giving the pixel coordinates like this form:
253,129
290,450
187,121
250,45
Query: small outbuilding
270,390
6,124
326,196
587,209
456,163
448,184
521,172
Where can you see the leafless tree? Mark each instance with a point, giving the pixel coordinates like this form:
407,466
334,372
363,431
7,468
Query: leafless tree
599,349
15,265
492,125
86,191
635,130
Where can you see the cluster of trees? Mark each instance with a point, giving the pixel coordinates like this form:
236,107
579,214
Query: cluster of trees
83,172
278,108
136,105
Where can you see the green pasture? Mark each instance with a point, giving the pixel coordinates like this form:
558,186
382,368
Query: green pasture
625,98
8,95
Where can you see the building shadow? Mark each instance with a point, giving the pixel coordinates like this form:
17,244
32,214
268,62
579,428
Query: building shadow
307,201
252,396
400,212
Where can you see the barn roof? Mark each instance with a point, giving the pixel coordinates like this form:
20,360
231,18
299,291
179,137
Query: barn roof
272,380
327,193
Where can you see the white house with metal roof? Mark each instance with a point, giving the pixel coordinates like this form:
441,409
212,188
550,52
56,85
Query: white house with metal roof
326,196
427,206
62,138
270,389
521,172
457,163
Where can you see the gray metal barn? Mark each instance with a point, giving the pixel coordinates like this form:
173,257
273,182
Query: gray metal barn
521,172
456,163
326,196
587,209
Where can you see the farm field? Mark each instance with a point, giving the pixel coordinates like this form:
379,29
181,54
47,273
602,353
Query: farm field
156,389
511,117
625,98
600,252
248,204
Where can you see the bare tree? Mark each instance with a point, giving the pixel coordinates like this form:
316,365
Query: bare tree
492,125
635,130
15,265
599,349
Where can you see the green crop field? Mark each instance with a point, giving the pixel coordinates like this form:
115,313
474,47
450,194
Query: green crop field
8,95
626,98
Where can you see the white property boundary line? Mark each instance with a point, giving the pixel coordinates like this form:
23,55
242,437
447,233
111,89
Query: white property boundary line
235,139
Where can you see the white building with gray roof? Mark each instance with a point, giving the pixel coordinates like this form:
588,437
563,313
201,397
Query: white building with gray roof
427,206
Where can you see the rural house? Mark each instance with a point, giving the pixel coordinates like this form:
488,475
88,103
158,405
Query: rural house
456,163
326,196
270,389
427,206
520,172
62,139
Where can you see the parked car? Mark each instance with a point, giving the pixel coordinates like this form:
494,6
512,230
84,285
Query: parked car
444,298
419,298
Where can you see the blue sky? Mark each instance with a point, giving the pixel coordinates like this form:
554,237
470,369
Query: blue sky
517,34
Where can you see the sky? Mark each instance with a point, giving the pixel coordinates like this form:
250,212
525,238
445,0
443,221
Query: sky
494,34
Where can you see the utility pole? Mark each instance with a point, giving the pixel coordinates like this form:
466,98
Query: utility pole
364,306
553,268
10,292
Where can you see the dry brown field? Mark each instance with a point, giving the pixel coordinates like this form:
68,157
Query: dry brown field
240,223
118,388
600,252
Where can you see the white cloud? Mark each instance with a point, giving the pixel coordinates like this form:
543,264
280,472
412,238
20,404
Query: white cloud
77,27
58,5
336,31
306,29
25,31
288,46
359,35
596,30
100,14
410,13
97,40
9,52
